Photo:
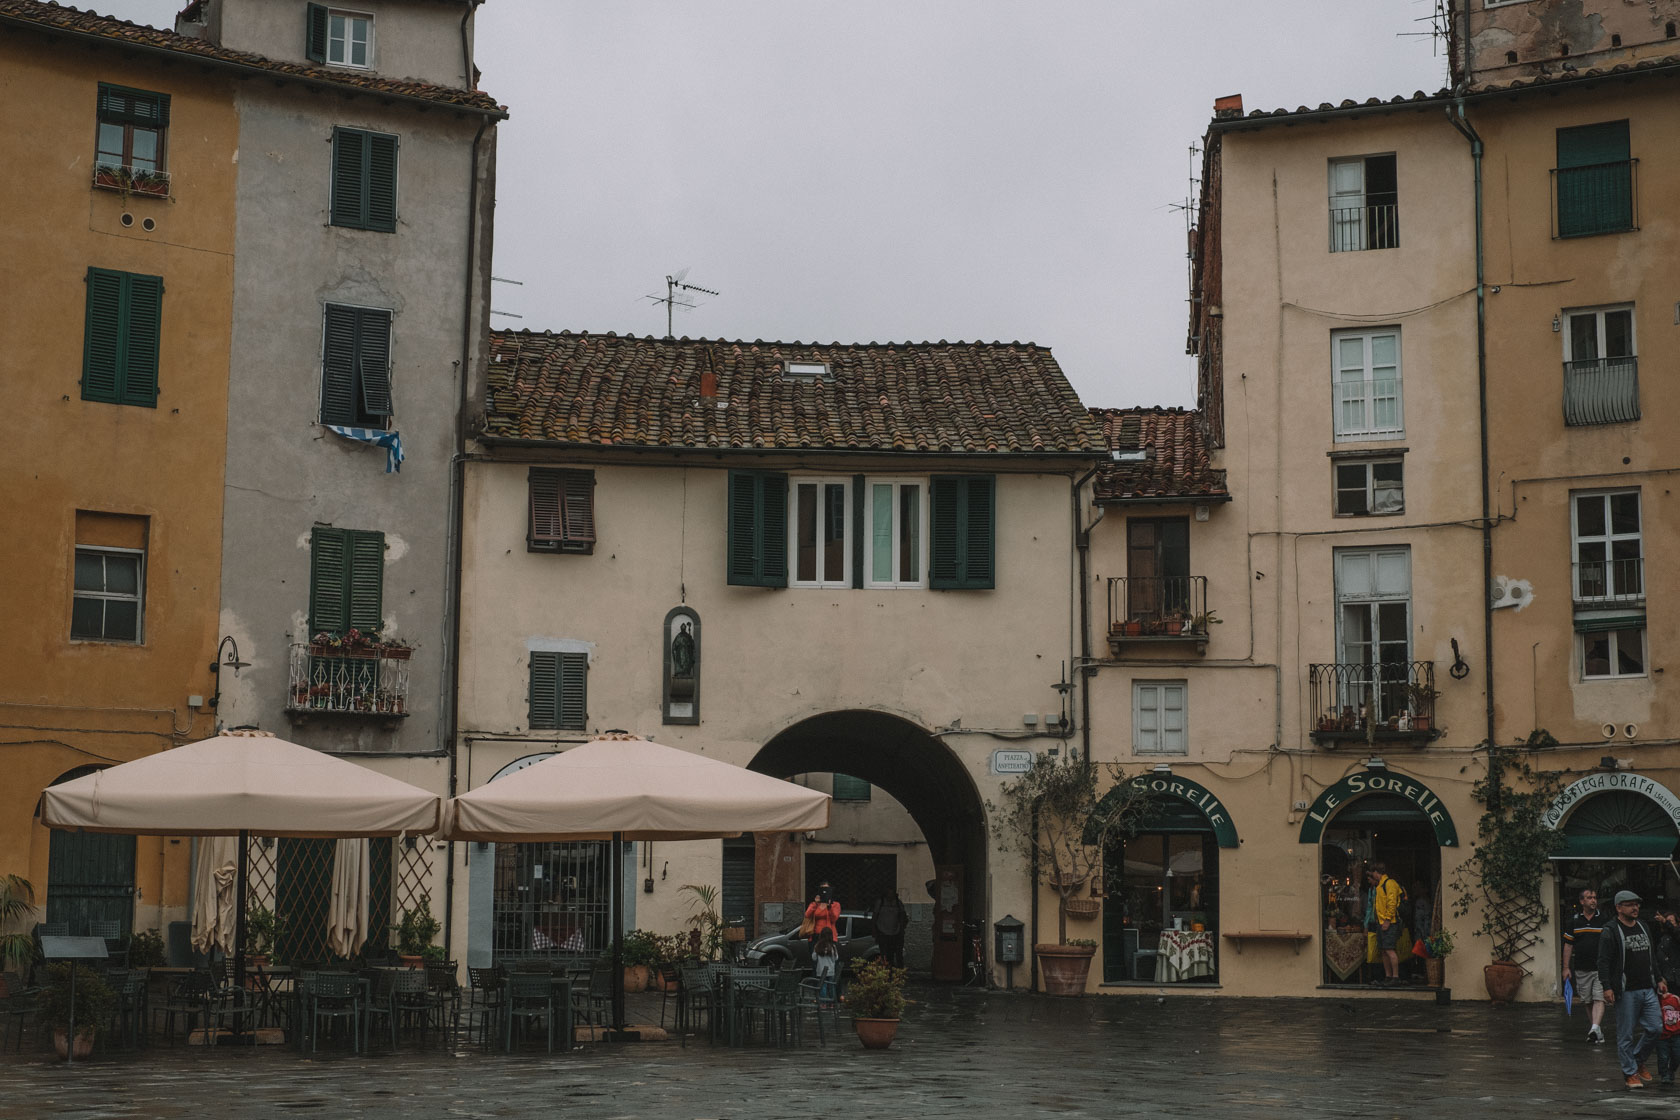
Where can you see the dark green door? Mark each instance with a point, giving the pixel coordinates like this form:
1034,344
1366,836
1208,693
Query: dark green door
302,898
90,878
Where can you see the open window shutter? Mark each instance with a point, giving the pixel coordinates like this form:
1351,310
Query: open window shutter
140,365
349,183
1592,144
315,34
338,393
773,540
858,533
328,610
979,532
574,691
545,672
546,527
381,183
757,529
944,562
373,360
579,509
367,581
102,336
743,528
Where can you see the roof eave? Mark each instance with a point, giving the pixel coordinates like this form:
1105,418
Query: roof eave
685,449
1166,500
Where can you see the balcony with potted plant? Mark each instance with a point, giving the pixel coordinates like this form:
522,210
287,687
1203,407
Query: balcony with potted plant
1381,702
349,674
129,180
1159,609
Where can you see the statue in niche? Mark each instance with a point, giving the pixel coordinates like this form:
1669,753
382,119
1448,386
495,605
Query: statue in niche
682,652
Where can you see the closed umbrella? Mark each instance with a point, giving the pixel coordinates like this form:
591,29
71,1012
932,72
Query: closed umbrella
347,917
622,787
237,784
214,917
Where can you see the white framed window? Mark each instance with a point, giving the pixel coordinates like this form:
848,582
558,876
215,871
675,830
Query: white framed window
1598,334
1374,628
349,38
1609,548
895,517
1364,204
821,532
109,595
1159,717
1609,654
1366,389
1370,487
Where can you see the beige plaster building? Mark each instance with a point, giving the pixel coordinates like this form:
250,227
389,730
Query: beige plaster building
806,559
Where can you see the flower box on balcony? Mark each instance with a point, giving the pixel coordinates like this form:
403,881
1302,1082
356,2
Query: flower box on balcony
129,180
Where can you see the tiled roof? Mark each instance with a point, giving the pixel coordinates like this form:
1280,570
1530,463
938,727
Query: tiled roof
624,391
1421,100
92,25
1176,456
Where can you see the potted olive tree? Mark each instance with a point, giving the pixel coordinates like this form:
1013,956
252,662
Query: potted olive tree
1504,878
415,933
1060,815
875,998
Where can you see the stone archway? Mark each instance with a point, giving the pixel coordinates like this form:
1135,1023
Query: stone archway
904,760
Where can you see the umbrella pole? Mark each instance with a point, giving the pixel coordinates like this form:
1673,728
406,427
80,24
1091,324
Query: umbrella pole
239,920
618,1026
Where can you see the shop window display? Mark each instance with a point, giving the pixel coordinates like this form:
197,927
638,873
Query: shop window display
1385,829
1160,920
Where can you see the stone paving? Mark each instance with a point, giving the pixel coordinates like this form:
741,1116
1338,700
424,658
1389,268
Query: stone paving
960,1053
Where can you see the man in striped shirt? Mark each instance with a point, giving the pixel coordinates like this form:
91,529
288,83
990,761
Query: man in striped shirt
1580,942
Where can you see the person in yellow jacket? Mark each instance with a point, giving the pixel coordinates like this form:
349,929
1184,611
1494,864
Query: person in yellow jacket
1386,896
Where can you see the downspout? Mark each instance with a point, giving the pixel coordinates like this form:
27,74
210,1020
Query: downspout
450,726
1455,116
1082,545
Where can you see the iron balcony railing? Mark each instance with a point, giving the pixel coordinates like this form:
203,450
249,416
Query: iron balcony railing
330,680
1600,391
1369,409
1158,607
1353,228
131,180
1384,699
1600,198
1610,583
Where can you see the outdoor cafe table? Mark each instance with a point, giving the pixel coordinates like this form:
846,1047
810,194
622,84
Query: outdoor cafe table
1185,955
732,982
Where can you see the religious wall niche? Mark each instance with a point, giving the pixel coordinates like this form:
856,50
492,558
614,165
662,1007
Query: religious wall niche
682,666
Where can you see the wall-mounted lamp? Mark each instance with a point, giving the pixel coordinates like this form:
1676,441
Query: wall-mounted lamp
232,662
1557,325
1375,762
1162,768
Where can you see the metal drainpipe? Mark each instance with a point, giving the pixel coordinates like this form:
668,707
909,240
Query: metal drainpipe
1455,116
457,485
1034,987
1082,545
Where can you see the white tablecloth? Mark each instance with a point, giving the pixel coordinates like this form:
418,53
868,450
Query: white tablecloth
1185,955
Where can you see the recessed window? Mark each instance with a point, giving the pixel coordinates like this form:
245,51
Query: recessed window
356,367
364,180
897,543
1609,583
1600,367
109,582
133,125
562,509
121,336
822,524
1370,486
1613,653
559,694
1594,180
1159,725
1366,368
1364,204
339,37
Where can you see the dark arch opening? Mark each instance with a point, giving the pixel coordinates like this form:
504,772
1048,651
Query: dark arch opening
919,770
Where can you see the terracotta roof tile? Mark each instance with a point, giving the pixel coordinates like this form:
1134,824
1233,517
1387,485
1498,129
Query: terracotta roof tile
89,24
1176,465
963,397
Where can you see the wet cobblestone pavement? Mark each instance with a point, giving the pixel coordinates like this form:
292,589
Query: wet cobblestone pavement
959,1053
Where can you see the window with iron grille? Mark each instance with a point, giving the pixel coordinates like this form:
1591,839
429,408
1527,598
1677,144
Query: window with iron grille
1600,366
562,511
1594,180
356,366
559,694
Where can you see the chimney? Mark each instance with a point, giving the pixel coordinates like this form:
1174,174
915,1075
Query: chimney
708,382
1224,108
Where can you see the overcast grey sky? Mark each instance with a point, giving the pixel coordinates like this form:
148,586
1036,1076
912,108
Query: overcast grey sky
891,169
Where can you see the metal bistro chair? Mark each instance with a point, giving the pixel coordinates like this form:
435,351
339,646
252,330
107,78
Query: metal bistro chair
695,996
116,949
333,996
811,1000
378,1004
533,997
749,996
596,999
443,987
782,1018
411,1001
193,998
126,1013
16,1006
484,1001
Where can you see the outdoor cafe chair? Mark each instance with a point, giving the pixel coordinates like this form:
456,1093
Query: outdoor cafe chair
535,997
785,1011
330,997
443,990
811,1000
597,997
484,1001
695,995
194,998
378,1004
16,1005
411,1001
129,1008
748,995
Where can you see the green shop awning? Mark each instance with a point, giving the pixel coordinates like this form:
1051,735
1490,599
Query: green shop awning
1620,824
1604,623
1655,848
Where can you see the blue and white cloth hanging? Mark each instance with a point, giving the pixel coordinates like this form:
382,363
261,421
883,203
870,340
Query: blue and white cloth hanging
390,441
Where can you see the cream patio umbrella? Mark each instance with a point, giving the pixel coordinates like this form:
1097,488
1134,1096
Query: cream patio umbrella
215,884
237,784
622,787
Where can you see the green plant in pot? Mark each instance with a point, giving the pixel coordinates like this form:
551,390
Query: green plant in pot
876,1000
416,931
145,949
641,954
1060,815
707,921
95,1004
263,930
1504,879
17,908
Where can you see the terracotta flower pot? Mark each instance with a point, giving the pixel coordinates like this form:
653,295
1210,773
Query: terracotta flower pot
1502,978
1435,971
635,977
84,1043
1064,967
876,1034
408,961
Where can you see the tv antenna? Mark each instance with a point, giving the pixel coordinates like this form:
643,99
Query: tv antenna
675,286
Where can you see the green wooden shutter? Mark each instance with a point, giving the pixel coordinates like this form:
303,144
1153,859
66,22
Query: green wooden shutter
349,178
579,506
145,321
121,105
573,694
857,530
963,543
381,211
373,361
102,336
338,363
1594,179
544,693
848,788
366,605
1592,144
757,530
315,34
328,610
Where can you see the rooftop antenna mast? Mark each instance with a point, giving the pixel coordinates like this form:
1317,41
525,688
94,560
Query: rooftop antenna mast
673,298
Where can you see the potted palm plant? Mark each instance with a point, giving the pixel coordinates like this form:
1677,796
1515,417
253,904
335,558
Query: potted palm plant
706,923
876,1001
17,907
95,1003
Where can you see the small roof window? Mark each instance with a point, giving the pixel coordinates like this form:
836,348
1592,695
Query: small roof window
809,371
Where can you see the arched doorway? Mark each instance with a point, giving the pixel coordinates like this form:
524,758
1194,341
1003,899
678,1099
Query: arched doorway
1375,817
926,777
90,876
1620,833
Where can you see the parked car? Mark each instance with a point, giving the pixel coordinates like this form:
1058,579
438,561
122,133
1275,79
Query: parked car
854,933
